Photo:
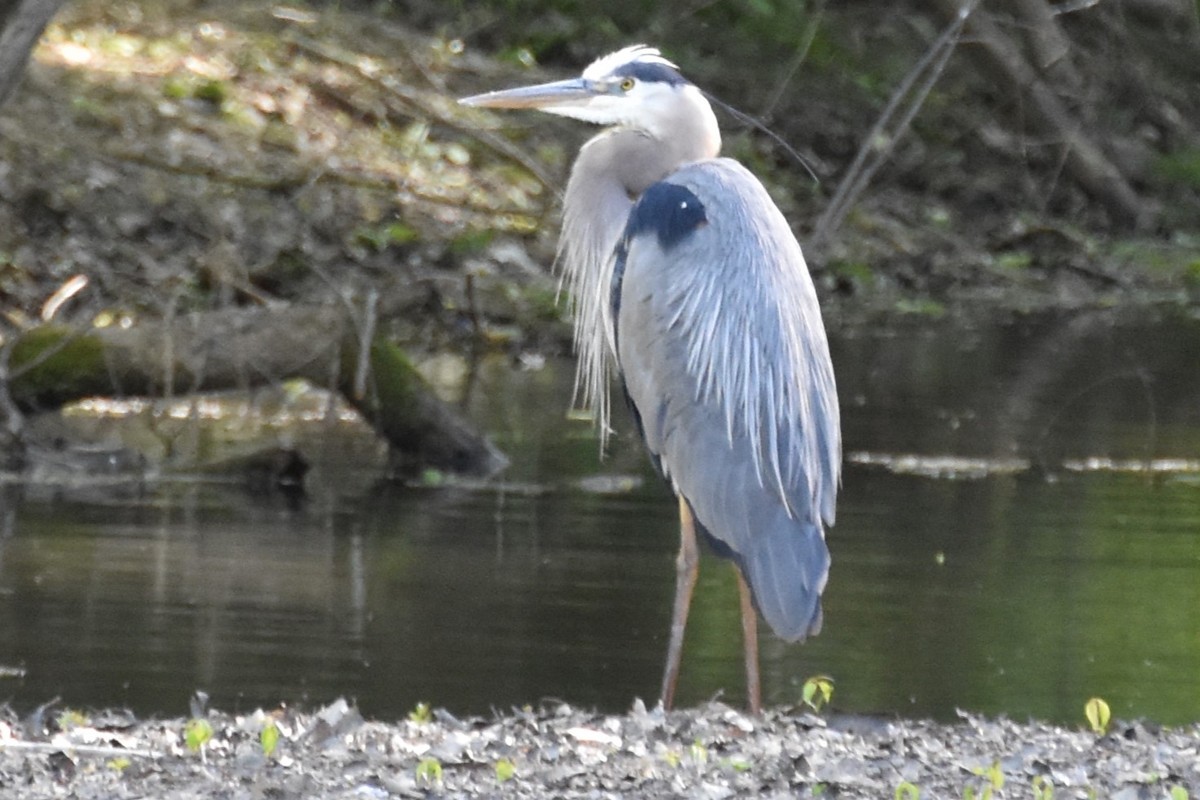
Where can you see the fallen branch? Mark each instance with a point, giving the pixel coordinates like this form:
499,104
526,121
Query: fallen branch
96,751
244,348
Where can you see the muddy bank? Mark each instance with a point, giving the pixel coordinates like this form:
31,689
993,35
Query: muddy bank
185,157
559,751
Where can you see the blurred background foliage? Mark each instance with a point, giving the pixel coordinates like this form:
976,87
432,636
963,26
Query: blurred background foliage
742,46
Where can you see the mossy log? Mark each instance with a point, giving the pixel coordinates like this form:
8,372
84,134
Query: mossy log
52,364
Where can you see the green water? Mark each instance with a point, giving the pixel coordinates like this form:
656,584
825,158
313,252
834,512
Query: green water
1022,589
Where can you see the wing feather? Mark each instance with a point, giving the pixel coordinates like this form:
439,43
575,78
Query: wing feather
725,359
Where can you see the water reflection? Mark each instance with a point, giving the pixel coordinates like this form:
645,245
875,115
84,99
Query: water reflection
1021,591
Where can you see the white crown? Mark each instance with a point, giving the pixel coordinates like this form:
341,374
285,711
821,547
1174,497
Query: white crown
605,65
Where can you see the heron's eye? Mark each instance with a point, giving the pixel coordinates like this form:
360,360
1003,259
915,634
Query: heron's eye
627,84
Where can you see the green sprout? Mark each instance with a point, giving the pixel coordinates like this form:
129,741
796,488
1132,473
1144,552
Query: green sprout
506,770
196,734
269,738
817,692
70,718
993,778
907,791
429,771
993,774
421,714
1098,715
1043,788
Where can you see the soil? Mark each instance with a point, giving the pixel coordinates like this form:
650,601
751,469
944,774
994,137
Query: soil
558,751
183,156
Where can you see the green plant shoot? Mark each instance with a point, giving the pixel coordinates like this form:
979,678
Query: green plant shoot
993,775
422,714
196,734
817,692
1043,788
70,718
269,738
1098,714
429,771
907,791
506,770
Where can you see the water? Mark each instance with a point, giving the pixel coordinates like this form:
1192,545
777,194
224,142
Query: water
1019,578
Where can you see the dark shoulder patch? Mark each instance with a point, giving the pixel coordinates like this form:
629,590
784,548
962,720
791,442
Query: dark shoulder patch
669,211
650,72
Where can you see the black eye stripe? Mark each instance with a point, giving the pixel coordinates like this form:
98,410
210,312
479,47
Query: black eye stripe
649,72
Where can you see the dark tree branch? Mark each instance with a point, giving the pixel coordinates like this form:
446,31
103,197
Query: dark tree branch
1004,59
20,27
241,348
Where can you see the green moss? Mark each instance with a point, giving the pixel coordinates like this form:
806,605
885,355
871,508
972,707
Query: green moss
51,362
395,385
543,303
212,91
1181,167
380,237
1191,274
857,272
923,307
471,241
1014,260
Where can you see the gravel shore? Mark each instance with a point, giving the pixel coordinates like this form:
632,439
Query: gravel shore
713,752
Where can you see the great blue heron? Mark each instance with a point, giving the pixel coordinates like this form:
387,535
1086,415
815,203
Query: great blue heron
687,279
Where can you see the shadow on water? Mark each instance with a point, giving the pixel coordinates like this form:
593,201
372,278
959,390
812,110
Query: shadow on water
1029,572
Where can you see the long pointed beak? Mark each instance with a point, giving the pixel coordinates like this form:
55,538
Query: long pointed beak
575,90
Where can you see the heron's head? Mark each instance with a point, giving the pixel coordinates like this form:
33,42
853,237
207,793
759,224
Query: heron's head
635,87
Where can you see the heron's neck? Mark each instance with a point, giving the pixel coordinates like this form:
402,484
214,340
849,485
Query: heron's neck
612,171
615,167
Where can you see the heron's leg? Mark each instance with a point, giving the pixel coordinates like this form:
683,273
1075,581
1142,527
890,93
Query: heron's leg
687,566
750,644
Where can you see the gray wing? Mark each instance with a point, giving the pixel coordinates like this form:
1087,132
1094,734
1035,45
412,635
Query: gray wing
725,362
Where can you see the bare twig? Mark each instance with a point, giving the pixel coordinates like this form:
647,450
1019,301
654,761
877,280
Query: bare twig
815,16
1086,160
879,142
1072,6
366,335
100,751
